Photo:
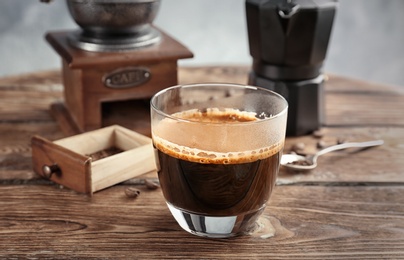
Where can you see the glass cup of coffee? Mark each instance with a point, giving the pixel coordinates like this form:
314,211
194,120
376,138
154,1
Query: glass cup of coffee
217,150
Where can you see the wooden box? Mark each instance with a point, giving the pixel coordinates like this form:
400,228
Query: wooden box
68,161
136,75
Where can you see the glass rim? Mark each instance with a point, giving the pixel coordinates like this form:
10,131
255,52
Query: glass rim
273,117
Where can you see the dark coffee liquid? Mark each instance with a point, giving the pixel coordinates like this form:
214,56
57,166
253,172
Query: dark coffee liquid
217,189
217,186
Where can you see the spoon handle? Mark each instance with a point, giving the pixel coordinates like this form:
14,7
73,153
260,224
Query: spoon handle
349,145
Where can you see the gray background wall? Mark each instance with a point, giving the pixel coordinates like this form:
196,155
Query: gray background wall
367,41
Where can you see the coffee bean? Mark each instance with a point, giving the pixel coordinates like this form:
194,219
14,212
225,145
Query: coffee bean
151,185
132,192
318,133
321,144
341,141
298,147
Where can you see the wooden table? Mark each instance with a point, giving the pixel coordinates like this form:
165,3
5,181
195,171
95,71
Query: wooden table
351,206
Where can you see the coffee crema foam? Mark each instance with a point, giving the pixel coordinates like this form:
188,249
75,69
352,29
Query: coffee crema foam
216,115
191,150
210,157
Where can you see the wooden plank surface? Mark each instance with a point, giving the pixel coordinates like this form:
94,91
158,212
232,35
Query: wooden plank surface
342,95
47,222
350,207
348,101
382,164
28,97
342,166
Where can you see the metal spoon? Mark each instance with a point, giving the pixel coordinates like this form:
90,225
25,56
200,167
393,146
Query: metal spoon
310,162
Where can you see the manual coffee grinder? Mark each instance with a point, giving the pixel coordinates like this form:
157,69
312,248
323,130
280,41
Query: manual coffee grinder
288,41
117,55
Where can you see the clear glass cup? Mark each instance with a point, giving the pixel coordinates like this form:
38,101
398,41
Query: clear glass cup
217,150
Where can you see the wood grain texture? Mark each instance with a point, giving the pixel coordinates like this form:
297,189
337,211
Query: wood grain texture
47,222
84,76
382,164
350,207
364,109
15,148
45,88
168,49
343,166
